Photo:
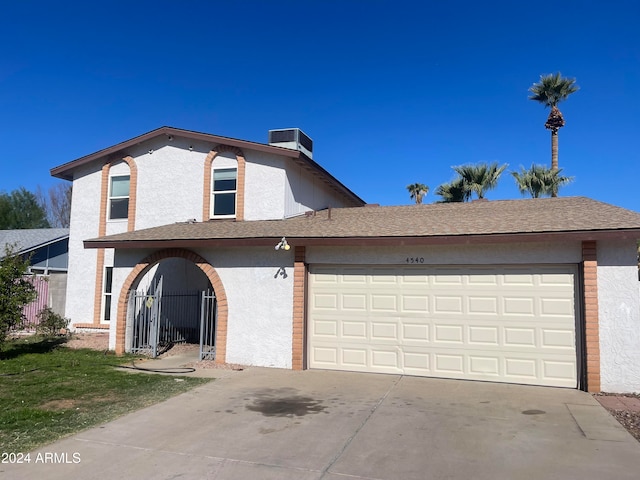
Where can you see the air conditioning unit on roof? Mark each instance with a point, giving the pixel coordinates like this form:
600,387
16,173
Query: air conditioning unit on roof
292,138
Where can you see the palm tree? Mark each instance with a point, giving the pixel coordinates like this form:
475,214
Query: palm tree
551,90
479,178
453,192
540,181
417,191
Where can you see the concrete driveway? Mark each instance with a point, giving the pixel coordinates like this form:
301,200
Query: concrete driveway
277,424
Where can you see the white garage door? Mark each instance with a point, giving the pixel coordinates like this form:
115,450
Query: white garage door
502,324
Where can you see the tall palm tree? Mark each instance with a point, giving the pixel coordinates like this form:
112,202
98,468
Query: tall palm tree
549,91
479,178
453,192
540,181
417,191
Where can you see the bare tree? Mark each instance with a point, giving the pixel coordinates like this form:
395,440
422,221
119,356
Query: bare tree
56,201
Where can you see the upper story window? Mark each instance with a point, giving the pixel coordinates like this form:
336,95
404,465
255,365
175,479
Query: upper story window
223,195
119,197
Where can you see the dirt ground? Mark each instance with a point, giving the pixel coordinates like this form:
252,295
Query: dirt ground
100,341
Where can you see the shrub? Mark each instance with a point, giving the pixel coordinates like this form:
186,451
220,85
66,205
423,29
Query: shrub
15,290
51,323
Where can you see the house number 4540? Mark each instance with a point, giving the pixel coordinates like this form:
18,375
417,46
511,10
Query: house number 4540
415,260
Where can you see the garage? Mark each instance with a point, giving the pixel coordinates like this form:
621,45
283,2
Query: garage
510,323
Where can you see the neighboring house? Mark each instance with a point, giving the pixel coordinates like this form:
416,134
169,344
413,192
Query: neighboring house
539,291
48,250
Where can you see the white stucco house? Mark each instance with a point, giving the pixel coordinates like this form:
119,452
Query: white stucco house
305,275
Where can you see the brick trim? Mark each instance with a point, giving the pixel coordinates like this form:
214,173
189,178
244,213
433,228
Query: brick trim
101,326
299,289
206,186
102,226
142,267
591,321
133,189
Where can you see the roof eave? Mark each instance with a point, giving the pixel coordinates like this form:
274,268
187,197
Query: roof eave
528,237
65,171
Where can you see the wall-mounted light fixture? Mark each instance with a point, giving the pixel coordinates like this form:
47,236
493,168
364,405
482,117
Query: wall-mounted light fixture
283,245
150,151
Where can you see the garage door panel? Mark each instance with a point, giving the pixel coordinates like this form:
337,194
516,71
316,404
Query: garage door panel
415,333
384,303
519,337
327,328
484,365
324,356
482,305
325,301
354,357
559,339
447,304
444,333
384,331
484,335
381,358
354,330
414,303
518,306
508,324
555,307
446,363
357,302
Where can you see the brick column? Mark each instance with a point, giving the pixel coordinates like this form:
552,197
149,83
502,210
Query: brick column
591,324
299,287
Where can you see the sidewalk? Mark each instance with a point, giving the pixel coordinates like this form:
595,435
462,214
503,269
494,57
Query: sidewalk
181,365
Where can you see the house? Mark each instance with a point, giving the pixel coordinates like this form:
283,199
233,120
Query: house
48,251
291,269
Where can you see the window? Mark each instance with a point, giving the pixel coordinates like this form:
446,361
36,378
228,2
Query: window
119,197
106,294
223,197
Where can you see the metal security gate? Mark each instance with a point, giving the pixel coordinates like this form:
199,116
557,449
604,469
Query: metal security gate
208,317
146,308
162,319
180,319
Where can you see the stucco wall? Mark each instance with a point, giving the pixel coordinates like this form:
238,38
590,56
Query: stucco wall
619,316
259,297
169,183
260,300
306,192
264,186
85,212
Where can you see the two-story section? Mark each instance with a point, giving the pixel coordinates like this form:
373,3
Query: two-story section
170,176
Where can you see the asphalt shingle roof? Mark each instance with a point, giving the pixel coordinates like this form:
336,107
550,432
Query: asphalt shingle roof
29,239
506,217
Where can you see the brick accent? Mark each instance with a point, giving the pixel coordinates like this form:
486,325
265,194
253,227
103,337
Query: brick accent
93,326
206,186
591,323
141,268
299,289
133,190
102,227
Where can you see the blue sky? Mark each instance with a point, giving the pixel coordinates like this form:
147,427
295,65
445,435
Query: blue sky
391,92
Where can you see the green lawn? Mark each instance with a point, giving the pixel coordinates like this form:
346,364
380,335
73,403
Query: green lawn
48,391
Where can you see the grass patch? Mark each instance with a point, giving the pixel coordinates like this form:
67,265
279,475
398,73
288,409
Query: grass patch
48,391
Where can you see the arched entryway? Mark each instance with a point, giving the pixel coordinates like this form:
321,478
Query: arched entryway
154,261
